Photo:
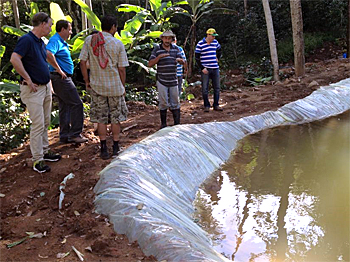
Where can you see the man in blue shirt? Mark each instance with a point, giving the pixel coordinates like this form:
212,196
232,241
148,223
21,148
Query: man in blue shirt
71,111
29,60
166,56
208,53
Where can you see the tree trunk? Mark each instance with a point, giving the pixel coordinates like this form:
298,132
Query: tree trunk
191,58
74,17
298,37
272,40
89,3
15,13
245,8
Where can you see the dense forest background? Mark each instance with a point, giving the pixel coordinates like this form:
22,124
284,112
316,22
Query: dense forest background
240,24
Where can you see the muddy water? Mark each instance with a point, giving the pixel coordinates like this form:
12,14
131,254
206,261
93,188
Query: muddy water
283,195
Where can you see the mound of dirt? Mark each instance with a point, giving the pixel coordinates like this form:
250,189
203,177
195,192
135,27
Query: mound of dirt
29,201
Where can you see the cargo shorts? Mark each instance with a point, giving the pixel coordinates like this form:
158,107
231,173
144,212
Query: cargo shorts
107,109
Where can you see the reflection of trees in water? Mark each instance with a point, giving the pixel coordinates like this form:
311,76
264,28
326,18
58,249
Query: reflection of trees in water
261,166
204,202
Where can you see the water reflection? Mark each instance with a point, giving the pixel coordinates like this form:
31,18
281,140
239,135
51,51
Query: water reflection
283,195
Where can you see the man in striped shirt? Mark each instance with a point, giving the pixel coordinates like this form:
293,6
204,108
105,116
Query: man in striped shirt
208,53
166,56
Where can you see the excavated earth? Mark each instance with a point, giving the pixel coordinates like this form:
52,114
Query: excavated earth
29,201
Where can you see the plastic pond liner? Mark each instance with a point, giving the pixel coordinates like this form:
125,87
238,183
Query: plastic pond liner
147,192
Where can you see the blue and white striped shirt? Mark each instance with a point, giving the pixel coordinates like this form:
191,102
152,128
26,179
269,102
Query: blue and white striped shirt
179,71
208,53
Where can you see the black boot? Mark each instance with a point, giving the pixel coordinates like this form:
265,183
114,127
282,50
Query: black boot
115,148
163,118
104,151
176,116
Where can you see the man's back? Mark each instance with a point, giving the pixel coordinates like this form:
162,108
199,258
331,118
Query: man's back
106,81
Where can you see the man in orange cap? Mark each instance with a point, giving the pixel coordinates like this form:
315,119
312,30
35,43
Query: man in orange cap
208,53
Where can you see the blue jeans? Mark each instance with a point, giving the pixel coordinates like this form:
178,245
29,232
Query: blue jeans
179,84
71,111
214,75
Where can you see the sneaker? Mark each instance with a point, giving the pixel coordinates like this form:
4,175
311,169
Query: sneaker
51,156
206,109
217,108
78,140
41,167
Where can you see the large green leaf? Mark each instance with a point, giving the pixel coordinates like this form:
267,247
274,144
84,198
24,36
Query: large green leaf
12,30
130,8
90,15
57,14
34,9
6,87
133,25
2,51
78,44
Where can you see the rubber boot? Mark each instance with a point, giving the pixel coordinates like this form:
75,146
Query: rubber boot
176,116
115,148
104,151
163,118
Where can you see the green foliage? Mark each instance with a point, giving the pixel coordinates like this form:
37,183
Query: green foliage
258,73
312,41
147,95
89,14
259,80
2,52
14,120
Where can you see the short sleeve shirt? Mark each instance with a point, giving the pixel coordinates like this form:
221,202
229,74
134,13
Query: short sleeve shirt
106,82
33,52
208,53
166,66
59,48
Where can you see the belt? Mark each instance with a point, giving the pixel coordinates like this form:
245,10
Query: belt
55,73
25,84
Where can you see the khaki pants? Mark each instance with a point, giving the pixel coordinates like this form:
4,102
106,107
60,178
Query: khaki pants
39,108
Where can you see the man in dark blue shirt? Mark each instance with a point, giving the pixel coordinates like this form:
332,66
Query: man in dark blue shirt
29,60
166,56
61,70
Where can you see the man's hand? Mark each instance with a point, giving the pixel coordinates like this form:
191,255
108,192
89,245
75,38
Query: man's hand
205,71
32,86
163,55
180,61
63,75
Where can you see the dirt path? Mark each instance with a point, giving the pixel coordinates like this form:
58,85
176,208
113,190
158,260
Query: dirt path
29,201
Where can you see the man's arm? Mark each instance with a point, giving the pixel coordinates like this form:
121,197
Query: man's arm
122,74
155,60
52,61
16,61
84,72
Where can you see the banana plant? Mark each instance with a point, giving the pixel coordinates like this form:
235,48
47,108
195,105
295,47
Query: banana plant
198,9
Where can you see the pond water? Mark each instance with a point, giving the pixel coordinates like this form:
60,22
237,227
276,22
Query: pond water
283,195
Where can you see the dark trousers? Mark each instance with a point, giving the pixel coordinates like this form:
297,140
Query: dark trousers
214,75
71,111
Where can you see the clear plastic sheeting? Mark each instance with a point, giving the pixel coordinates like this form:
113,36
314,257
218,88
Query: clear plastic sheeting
147,192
